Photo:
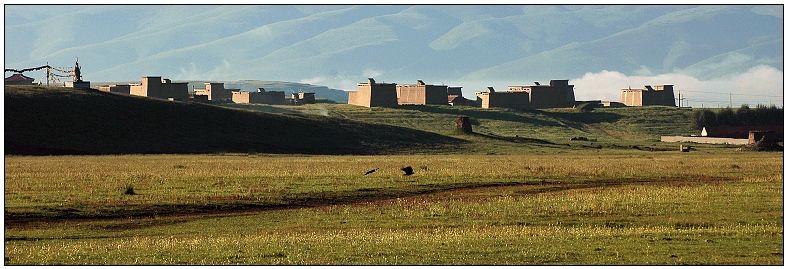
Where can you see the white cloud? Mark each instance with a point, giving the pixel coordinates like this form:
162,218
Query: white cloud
760,84
318,80
371,73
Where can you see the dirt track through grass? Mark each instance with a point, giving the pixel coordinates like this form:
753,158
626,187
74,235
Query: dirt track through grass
156,215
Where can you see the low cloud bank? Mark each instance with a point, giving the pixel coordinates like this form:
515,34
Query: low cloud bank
759,85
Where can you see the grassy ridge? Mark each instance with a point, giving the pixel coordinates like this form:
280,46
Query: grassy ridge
67,121
607,126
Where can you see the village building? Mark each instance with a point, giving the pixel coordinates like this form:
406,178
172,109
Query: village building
557,94
421,94
156,87
300,98
261,96
373,94
124,89
510,99
661,95
18,79
458,100
455,97
454,91
215,92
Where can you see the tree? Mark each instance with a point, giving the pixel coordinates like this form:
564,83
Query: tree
703,118
744,115
726,117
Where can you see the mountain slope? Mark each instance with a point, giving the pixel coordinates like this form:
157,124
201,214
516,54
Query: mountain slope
346,44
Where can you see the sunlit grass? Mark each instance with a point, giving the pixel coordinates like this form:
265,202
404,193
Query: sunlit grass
648,208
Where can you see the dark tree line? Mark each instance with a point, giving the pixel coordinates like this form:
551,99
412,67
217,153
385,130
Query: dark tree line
743,116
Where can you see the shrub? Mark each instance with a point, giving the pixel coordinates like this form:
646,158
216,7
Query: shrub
129,190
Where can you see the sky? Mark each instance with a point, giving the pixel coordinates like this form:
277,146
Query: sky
599,48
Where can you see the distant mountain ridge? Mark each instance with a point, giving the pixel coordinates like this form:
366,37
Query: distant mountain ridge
320,92
338,46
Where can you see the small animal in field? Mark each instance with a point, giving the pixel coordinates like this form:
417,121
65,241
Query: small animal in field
371,171
407,170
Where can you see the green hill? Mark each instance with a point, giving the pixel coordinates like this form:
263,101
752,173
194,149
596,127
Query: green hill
505,130
47,121
66,121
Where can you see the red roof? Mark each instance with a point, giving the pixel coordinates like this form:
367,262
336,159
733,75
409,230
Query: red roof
18,78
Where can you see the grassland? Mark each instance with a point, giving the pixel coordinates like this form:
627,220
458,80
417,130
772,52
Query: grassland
588,207
517,191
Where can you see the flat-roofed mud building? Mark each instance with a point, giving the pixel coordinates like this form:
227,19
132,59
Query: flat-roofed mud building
421,93
261,96
661,95
124,89
510,99
557,94
215,92
373,94
156,87
301,98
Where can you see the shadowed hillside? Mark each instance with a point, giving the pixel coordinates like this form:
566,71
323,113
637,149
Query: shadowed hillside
43,121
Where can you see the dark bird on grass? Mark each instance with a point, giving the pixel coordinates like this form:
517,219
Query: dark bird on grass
371,171
407,170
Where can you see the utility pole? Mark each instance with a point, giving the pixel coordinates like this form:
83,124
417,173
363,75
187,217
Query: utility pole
730,100
680,100
47,74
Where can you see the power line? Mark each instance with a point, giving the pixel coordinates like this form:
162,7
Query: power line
737,94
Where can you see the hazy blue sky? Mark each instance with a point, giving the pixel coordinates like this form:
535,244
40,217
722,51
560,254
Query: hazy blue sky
601,49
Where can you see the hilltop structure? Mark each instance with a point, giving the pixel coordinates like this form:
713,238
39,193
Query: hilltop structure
215,92
510,99
557,94
156,87
124,89
18,79
261,96
455,97
301,98
77,81
661,95
421,93
373,94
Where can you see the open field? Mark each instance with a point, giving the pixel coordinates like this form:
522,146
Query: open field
587,207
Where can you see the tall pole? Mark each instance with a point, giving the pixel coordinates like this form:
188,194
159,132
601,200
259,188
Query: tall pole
47,74
730,100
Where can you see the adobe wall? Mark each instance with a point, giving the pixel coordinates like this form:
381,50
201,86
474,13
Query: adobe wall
557,94
705,140
240,97
124,89
436,94
411,94
374,95
306,98
358,98
270,98
217,92
515,100
631,97
454,91
661,95
383,95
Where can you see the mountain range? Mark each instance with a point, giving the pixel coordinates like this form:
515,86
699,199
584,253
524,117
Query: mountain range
337,45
